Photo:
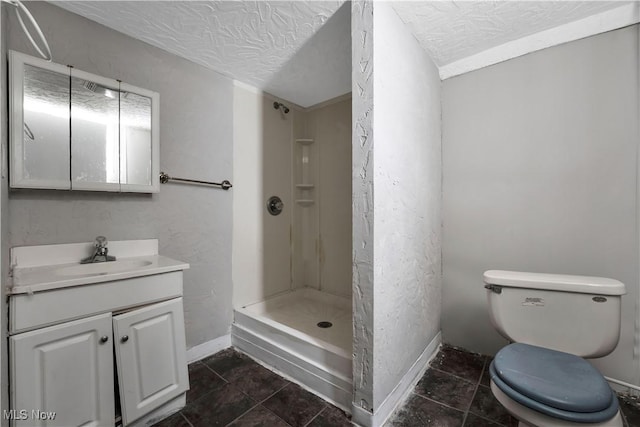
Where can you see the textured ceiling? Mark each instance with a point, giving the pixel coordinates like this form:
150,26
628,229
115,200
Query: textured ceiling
301,50
452,30
298,50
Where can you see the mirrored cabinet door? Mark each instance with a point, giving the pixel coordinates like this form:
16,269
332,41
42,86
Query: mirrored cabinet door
95,139
72,130
138,138
39,93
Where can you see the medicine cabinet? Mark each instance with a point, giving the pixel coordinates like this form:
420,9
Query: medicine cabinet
72,130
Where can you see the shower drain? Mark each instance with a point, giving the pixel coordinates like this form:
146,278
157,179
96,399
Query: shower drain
325,324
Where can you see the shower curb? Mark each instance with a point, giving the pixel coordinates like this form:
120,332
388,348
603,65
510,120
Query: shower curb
330,386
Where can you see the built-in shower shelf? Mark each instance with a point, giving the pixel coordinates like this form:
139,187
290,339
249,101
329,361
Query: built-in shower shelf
305,202
305,186
304,141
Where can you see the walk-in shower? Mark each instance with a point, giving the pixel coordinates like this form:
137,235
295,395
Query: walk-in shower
294,314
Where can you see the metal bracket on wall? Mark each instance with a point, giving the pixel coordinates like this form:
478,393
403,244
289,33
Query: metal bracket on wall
225,185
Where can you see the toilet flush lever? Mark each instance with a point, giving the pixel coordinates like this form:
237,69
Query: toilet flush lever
494,288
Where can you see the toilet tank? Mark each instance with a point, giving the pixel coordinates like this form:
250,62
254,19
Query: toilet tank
574,314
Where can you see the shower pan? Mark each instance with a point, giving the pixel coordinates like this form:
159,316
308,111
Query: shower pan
285,333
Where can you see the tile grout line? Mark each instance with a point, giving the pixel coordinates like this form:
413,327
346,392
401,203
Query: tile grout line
276,415
456,376
465,412
279,417
258,403
208,392
189,403
316,416
475,391
215,372
226,382
253,407
243,414
185,418
439,403
484,417
489,420
275,392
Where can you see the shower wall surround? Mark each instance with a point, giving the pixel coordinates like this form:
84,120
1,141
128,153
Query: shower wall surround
331,129
262,168
265,151
540,174
192,223
397,210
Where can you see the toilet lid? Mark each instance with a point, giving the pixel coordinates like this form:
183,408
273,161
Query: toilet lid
554,378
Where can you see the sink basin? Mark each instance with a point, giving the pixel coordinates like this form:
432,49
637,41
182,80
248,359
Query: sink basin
99,268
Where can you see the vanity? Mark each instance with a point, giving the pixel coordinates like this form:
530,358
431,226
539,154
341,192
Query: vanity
96,344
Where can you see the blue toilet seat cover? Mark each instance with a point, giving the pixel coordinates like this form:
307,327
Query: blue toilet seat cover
554,378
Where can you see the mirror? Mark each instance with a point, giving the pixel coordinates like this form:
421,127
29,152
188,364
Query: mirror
135,139
45,129
75,130
95,153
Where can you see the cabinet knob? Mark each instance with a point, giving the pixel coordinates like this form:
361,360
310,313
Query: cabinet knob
124,338
104,339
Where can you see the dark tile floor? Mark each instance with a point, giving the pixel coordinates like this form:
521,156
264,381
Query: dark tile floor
230,389
455,392
630,410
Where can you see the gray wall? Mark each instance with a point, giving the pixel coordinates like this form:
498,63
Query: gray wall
192,223
539,159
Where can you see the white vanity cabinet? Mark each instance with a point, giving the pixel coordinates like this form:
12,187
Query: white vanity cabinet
150,357
66,369
67,343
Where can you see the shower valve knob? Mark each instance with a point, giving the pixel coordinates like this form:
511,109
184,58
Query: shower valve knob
275,205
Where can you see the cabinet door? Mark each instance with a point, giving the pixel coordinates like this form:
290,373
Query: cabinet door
139,139
65,369
151,357
39,100
73,130
95,140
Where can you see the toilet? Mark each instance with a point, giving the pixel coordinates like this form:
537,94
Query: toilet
554,322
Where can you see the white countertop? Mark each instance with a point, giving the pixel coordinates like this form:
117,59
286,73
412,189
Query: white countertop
36,279
48,267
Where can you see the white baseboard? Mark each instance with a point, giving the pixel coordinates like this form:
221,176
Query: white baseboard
208,348
623,387
400,393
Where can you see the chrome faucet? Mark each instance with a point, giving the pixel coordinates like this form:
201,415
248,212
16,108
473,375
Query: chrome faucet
100,252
